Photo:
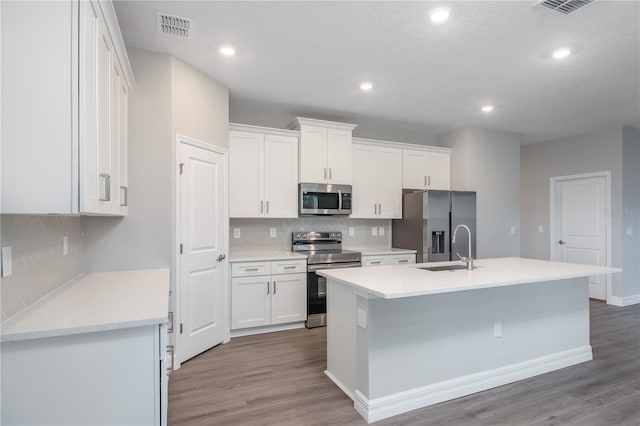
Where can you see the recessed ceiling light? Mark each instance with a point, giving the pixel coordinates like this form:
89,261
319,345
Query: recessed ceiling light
561,53
438,16
227,51
366,86
487,108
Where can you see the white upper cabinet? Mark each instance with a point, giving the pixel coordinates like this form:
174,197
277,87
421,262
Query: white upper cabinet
66,79
377,180
428,168
263,167
325,151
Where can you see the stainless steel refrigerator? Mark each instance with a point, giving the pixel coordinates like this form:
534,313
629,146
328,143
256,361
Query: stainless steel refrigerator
428,220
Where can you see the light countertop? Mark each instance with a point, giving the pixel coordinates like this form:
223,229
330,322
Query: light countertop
396,281
95,302
260,256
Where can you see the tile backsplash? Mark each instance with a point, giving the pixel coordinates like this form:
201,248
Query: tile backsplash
255,233
39,266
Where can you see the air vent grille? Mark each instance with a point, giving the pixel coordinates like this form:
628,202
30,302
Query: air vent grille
565,6
177,26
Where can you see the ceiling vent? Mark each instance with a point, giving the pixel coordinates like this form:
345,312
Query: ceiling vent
565,6
175,25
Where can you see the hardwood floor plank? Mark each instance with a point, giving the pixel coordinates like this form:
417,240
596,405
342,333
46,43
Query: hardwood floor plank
278,379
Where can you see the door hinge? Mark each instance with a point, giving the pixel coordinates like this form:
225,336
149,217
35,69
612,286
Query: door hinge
170,326
181,167
180,328
180,248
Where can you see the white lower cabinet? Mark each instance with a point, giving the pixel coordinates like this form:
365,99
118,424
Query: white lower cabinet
113,377
392,259
268,293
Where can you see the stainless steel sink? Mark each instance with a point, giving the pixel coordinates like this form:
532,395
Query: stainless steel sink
450,268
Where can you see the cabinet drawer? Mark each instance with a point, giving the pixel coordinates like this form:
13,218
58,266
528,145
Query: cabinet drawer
374,260
399,259
248,269
288,266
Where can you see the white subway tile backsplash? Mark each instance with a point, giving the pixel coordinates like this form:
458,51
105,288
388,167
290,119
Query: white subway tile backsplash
38,264
255,233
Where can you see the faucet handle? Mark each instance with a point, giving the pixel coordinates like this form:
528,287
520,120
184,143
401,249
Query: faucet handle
462,259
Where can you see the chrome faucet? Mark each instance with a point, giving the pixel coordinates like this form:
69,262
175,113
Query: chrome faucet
467,260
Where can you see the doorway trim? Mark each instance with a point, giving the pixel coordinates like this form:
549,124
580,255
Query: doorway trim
553,194
176,237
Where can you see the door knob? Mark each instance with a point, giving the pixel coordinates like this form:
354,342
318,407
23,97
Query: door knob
221,257
562,242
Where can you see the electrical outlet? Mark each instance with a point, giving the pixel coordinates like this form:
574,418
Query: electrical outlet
6,261
374,231
540,229
513,230
629,232
497,329
236,233
272,232
361,319
352,231
65,245
381,231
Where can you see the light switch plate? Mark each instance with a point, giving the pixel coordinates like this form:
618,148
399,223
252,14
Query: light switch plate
272,232
6,261
352,231
540,229
374,231
381,231
497,329
236,232
629,232
513,230
65,245
361,318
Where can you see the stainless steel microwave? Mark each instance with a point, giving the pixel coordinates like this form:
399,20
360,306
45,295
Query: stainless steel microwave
319,199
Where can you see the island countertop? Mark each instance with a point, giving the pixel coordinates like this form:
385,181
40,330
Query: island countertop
397,281
95,302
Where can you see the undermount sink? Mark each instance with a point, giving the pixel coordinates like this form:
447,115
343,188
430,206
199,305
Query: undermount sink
450,268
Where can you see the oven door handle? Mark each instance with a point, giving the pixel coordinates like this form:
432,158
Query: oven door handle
313,268
339,200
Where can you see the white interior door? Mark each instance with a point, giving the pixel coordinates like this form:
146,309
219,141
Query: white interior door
202,261
580,231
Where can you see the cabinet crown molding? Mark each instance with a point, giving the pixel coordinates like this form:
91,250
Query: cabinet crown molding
237,127
400,145
301,121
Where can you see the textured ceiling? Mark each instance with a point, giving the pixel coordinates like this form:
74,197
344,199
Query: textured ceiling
309,57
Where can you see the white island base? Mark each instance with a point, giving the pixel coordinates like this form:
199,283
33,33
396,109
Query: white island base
392,354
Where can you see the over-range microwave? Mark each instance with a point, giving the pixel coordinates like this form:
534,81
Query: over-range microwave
319,199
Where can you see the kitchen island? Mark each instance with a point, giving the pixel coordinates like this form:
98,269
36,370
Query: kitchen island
401,337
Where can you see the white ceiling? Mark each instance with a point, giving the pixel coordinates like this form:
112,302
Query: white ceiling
296,58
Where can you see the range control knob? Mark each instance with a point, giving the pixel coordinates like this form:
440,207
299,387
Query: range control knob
297,236
332,235
304,235
339,235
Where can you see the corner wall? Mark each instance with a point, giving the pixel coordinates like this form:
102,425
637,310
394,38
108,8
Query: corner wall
631,214
488,162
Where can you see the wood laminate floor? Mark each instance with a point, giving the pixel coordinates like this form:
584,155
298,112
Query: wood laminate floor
278,379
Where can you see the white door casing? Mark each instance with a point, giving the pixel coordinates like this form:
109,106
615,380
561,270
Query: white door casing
580,225
202,235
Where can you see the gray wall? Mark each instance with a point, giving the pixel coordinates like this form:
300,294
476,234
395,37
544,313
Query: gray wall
593,152
488,162
169,97
631,211
143,238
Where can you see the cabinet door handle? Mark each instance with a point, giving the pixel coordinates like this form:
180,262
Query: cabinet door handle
171,350
403,260
325,173
261,206
124,196
425,181
251,270
376,262
267,207
379,208
289,267
428,180
375,208
329,173
105,180
274,287
268,287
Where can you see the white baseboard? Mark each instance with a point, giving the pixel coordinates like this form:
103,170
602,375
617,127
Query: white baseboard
401,402
339,384
624,301
265,329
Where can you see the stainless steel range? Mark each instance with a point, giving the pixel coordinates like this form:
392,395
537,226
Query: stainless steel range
324,251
